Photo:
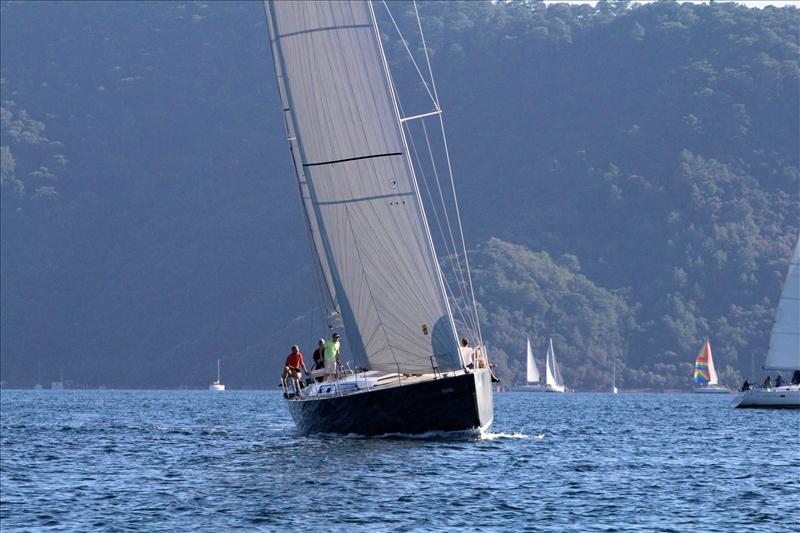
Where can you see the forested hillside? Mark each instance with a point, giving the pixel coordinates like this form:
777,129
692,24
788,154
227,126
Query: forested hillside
628,177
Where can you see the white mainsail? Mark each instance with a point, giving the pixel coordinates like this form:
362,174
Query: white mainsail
357,183
533,372
784,342
553,375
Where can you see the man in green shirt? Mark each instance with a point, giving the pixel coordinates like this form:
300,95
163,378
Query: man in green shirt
331,357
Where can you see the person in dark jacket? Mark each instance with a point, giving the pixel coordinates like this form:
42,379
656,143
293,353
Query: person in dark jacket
319,355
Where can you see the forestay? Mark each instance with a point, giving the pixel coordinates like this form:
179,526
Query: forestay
359,192
784,342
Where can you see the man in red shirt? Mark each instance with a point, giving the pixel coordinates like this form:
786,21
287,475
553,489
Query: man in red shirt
294,364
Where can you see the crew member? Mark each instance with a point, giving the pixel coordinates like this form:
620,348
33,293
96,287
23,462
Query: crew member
467,354
332,357
319,355
294,364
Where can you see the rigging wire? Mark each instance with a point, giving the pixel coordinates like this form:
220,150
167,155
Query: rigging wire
449,169
460,270
431,90
411,56
448,251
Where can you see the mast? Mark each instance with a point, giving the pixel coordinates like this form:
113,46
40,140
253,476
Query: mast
218,378
358,187
614,375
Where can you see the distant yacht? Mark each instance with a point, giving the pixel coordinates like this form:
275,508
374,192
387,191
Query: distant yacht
58,385
534,383
614,379
217,384
784,347
38,385
705,375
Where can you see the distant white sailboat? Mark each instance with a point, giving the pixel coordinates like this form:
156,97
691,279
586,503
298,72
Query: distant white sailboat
553,379
58,385
705,374
534,383
217,385
38,385
614,379
784,347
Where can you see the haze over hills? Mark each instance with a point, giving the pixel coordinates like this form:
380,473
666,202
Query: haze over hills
628,177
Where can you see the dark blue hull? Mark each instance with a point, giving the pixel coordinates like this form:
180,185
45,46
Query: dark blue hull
457,403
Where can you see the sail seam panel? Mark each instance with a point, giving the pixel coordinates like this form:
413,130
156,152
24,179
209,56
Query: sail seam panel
345,160
327,28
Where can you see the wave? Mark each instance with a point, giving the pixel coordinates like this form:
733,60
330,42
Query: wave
496,436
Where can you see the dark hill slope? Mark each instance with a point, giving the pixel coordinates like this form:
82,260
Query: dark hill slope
150,222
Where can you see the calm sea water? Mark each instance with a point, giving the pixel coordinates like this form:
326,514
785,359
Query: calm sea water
196,460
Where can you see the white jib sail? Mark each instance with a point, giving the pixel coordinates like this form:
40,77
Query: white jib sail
359,191
533,372
784,342
553,377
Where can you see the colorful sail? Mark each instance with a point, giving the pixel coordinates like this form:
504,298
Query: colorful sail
704,371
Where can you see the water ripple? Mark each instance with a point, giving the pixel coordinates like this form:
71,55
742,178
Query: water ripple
166,461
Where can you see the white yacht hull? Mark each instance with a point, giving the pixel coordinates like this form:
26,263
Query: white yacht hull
785,397
216,387
539,388
536,387
712,389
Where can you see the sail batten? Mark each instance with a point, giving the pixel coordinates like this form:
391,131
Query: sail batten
358,187
784,341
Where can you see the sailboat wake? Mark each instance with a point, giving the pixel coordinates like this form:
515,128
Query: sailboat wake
497,436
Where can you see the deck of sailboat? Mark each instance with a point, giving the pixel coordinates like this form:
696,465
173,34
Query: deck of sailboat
361,382
783,397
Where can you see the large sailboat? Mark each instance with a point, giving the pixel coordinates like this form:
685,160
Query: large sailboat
533,379
784,348
553,379
705,374
375,258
